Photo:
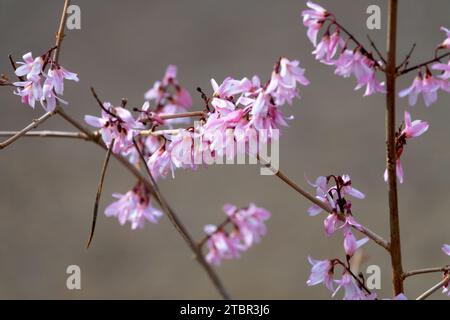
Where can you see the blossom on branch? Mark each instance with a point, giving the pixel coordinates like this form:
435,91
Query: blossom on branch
333,50
32,90
135,207
247,226
412,129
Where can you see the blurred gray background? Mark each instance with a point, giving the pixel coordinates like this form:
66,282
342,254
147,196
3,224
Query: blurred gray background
48,186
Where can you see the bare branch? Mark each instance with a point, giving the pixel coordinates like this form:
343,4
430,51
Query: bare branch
437,59
47,134
372,43
425,271
433,289
372,235
406,60
99,193
60,33
31,126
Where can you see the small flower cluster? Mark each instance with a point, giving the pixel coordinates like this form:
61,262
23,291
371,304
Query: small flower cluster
169,97
341,217
412,129
135,207
31,90
333,50
116,124
236,108
323,271
247,226
428,85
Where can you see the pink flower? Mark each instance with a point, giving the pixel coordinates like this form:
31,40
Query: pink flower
313,19
359,65
247,228
328,46
134,207
443,67
29,91
330,195
427,86
415,128
249,221
352,290
32,68
169,96
181,150
412,129
351,244
55,79
160,164
221,246
283,83
223,95
331,223
116,123
446,43
321,272
49,97
446,249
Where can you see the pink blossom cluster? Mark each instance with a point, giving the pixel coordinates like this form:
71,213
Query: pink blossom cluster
116,124
238,108
341,217
412,129
333,50
135,207
247,226
31,90
323,271
169,97
428,85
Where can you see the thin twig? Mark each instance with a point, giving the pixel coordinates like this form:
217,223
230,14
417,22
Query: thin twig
181,115
99,193
47,134
437,59
372,43
31,126
425,271
433,289
408,56
372,235
60,33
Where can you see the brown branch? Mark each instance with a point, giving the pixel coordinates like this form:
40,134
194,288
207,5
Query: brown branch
31,126
367,232
425,271
182,115
437,59
372,43
60,33
47,134
433,289
391,156
406,60
99,193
